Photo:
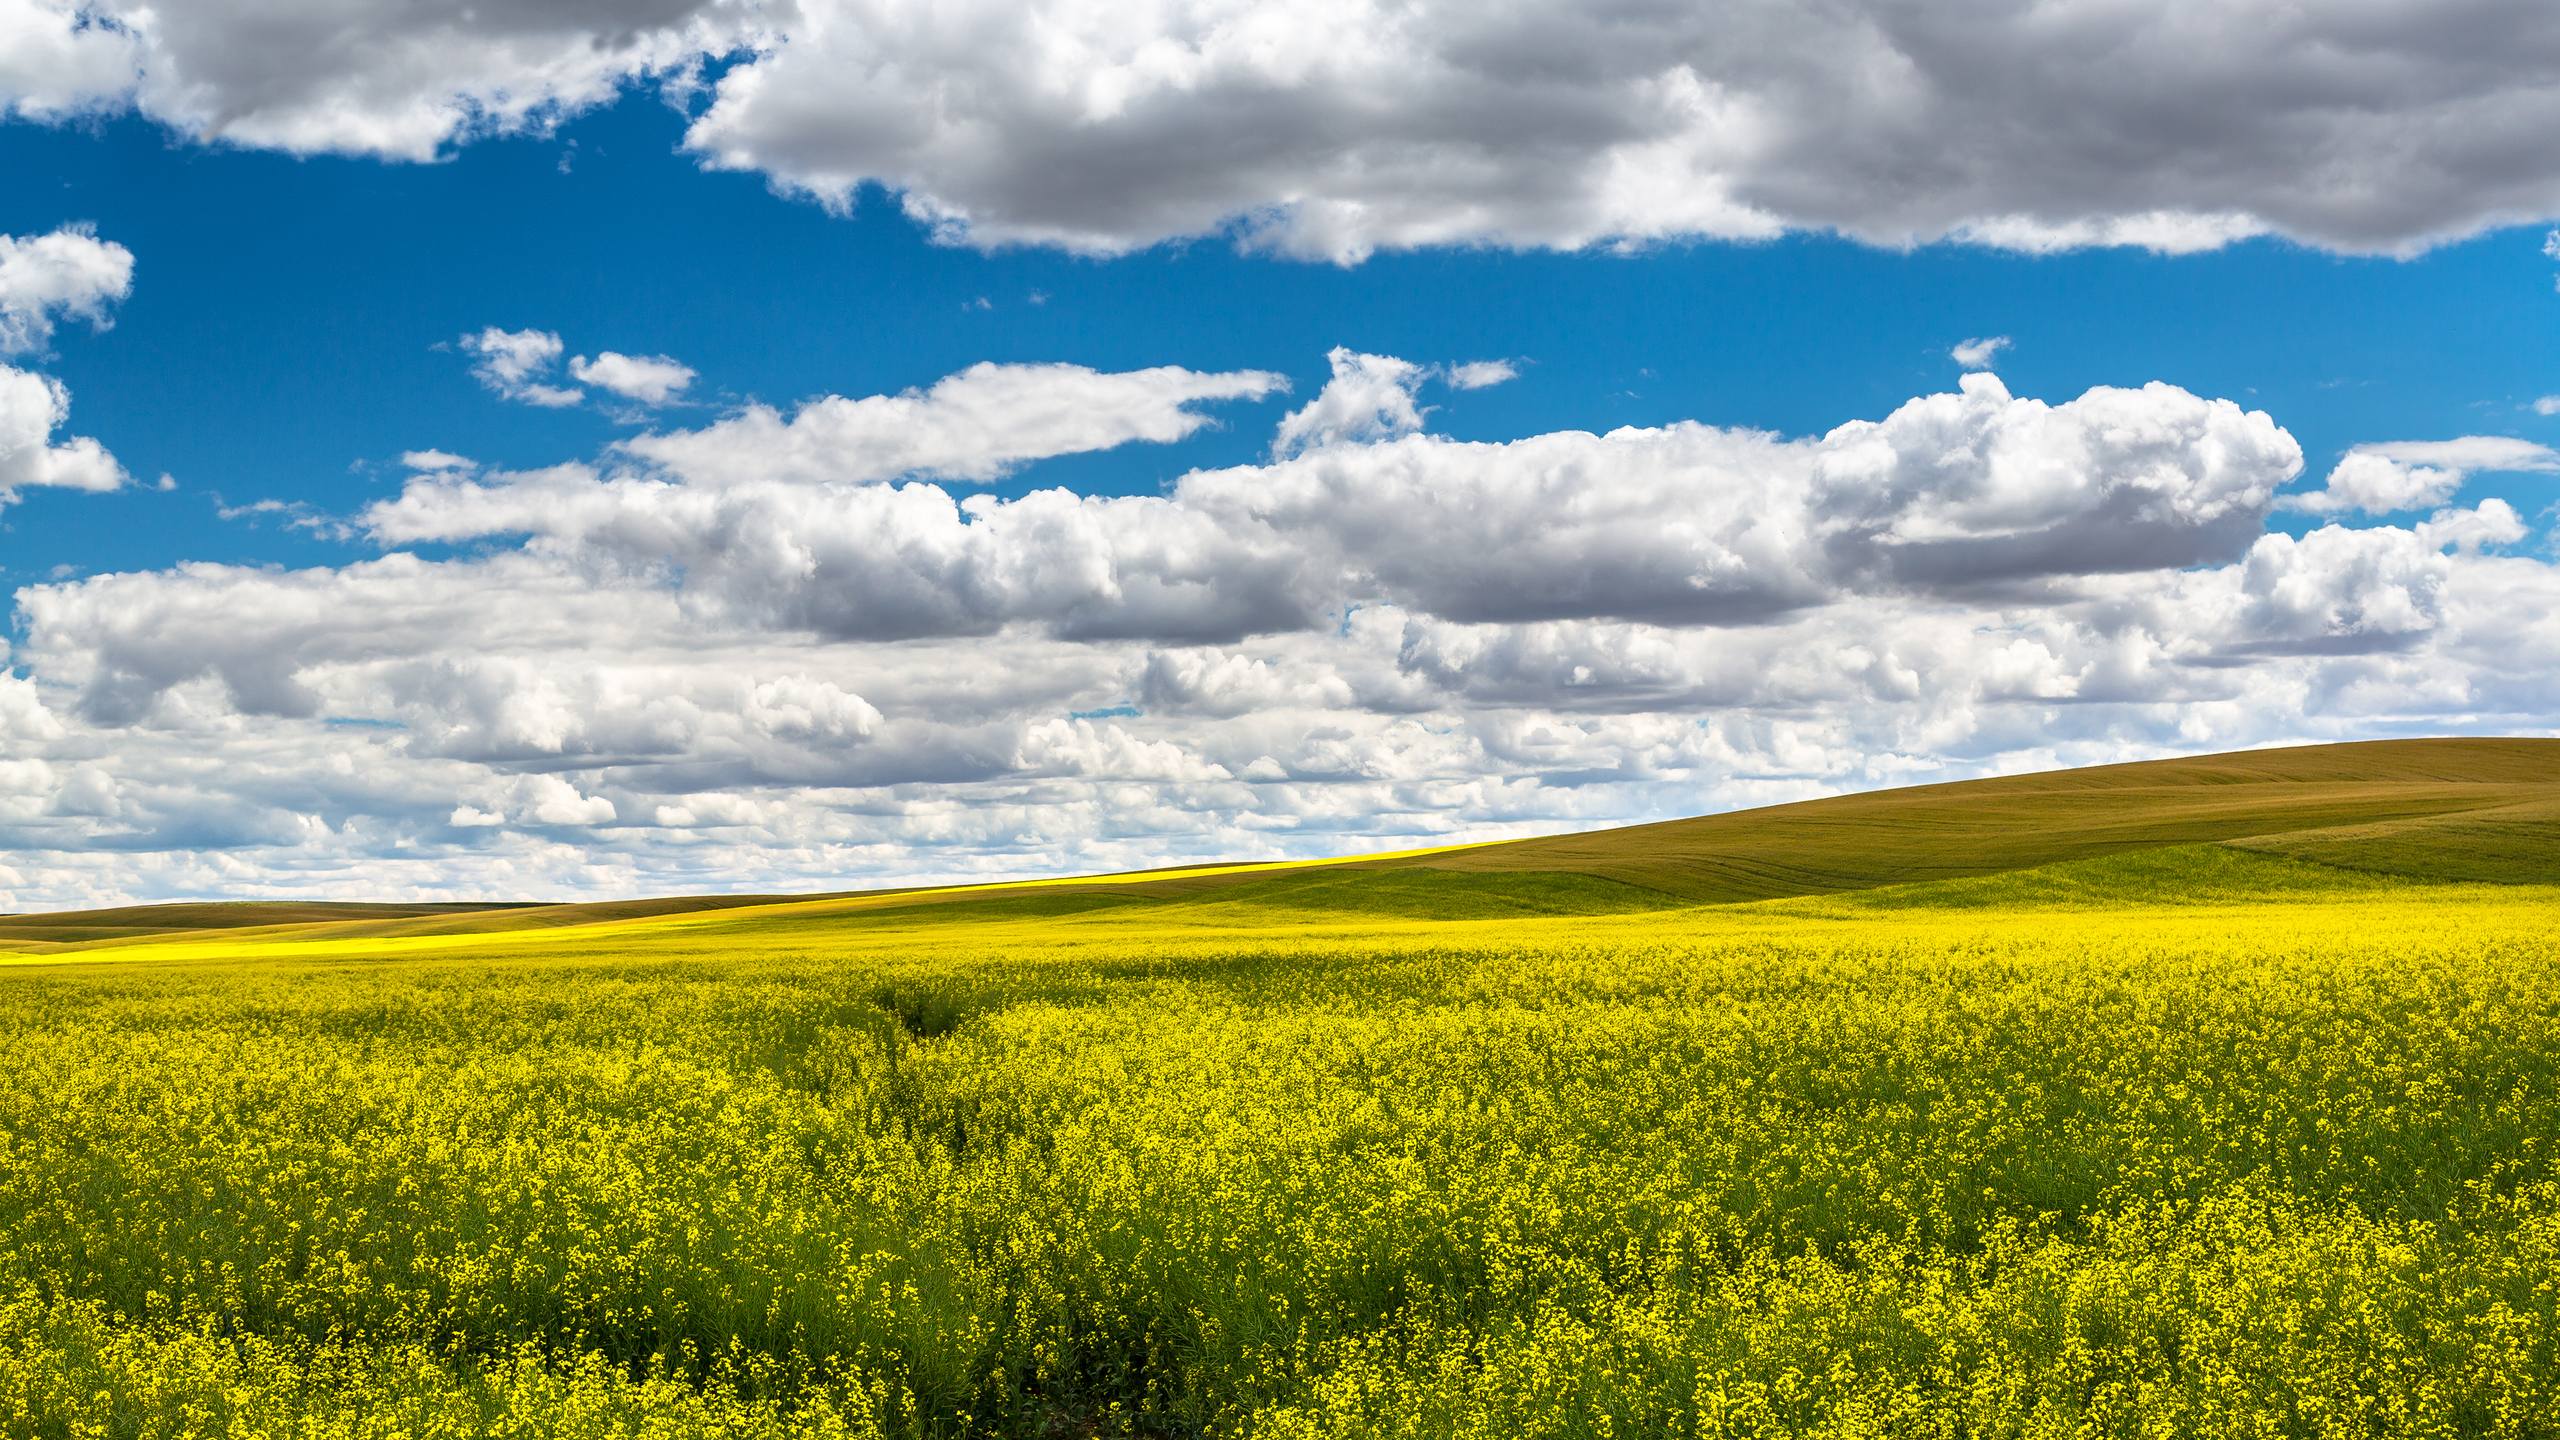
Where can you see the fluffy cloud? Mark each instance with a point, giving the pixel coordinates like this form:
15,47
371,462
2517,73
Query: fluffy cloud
783,524
1978,353
125,641
45,279
57,62
1980,487
2471,452
2341,590
395,78
975,425
1337,129
67,274
763,653
32,407
515,364
2379,479
645,379
1369,397
525,365
543,800
1375,397
879,561
1371,125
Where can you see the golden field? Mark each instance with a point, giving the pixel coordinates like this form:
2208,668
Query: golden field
2152,1132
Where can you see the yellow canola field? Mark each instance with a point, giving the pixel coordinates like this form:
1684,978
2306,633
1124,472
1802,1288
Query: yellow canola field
1984,1161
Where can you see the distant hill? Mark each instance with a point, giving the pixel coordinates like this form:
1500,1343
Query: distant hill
2457,809
139,921
2440,810
320,919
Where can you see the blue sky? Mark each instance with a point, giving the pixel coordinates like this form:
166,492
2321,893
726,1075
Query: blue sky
758,635
289,332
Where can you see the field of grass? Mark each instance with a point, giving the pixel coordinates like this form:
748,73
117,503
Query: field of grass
2211,1099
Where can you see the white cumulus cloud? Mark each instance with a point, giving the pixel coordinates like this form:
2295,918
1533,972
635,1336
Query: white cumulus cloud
975,425
1482,374
1369,397
1342,127
1977,354
763,653
517,364
32,407
645,379
401,79
1363,125
68,273
2389,476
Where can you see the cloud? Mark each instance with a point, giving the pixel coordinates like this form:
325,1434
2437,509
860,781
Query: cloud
2491,522
143,634
2381,478
1371,125
1481,374
388,78
787,524
976,425
542,800
1977,354
1208,681
643,379
780,522
298,514
522,365
2163,232
882,562
67,274
2469,453
2547,405
58,61
435,460
1100,128
513,364
2340,590
1980,487
2375,484
1370,397
798,707
1373,397
32,407
753,655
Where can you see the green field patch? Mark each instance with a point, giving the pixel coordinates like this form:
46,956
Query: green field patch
2220,874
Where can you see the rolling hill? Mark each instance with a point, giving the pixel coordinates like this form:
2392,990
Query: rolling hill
2485,810
2458,809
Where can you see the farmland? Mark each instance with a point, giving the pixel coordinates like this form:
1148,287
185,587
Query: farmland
2212,1098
